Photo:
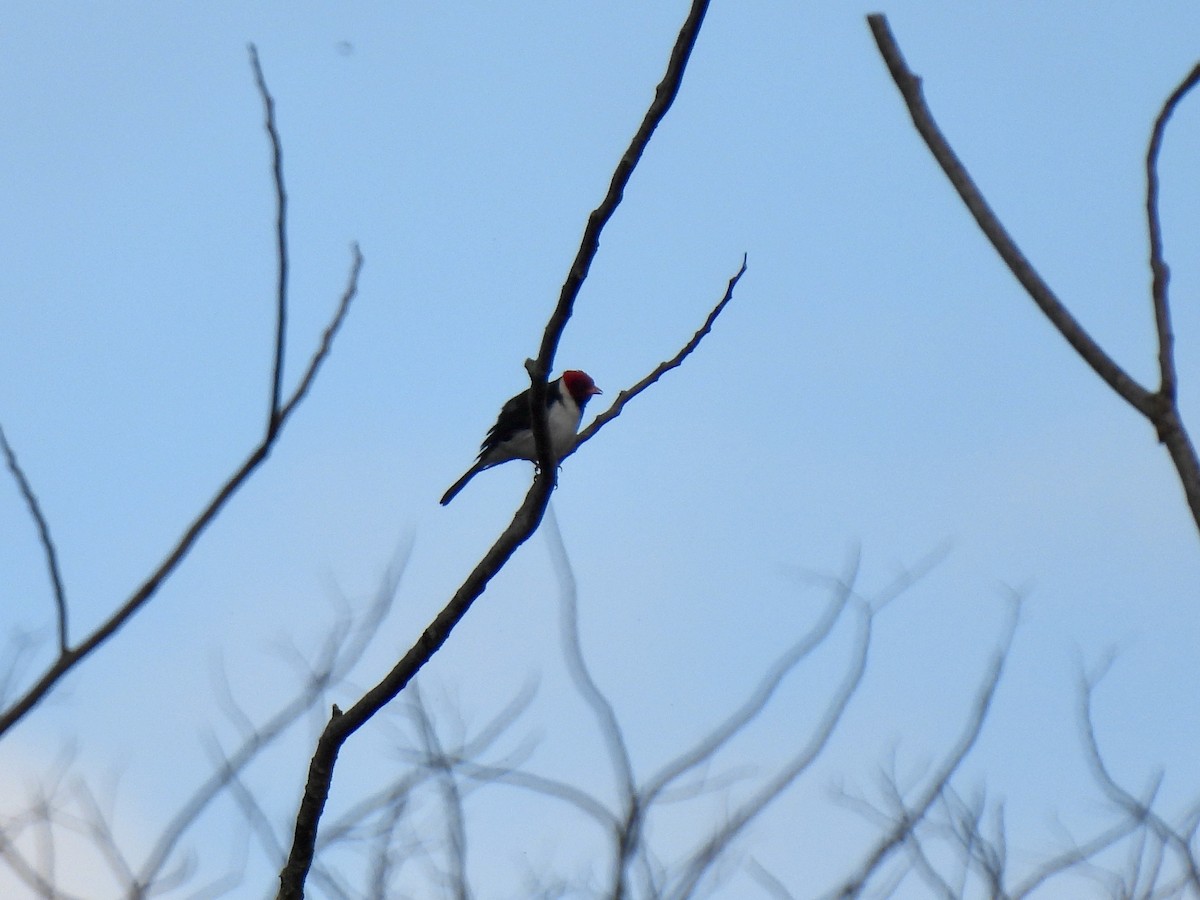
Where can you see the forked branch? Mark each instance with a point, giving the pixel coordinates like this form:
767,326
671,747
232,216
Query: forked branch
1158,407
527,518
69,657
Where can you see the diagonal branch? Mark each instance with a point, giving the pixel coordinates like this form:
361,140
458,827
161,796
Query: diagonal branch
1158,407
1041,293
664,96
67,661
709,745
662,368
281,252
43,527
704,858
525,521
341,651
629,828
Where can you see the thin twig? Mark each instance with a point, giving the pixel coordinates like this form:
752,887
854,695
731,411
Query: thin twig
720,736
434,757
662,368
43,527
72,657
704,858
341,651
1160,273
1139,810
281,251
908,818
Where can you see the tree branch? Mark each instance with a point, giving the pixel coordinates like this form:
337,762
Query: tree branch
1160,273
70,657
1158,407
618,405
281,252
528,516
907,818
1138,810
43,527
909,85
664,96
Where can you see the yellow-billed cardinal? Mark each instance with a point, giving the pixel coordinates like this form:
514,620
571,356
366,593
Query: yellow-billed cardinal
512,435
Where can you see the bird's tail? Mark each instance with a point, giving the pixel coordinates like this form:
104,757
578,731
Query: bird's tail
461,483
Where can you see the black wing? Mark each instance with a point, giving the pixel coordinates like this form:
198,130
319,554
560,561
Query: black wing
514,417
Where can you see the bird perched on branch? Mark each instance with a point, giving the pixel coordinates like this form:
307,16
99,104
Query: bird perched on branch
512,435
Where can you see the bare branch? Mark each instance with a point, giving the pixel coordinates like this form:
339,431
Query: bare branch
72,657
435,758
1158,407
98,824
69,658
707,747
907,819
281,252
548,787
524,522
767,881
674,362
1139,810
589,245
1053,308
43,527
577,668
342,649
1074,856
664,97
1158,266
258,820
708,854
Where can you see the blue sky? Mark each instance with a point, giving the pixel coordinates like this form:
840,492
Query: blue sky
880,381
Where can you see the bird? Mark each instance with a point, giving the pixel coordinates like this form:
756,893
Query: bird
512,435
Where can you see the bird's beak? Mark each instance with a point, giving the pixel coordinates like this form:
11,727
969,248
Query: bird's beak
593,391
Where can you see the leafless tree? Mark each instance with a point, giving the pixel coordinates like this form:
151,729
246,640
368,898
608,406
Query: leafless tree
414,826
1159,406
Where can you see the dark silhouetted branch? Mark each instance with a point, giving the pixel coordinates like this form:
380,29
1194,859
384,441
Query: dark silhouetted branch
525,521
1160,273
281,251
674,362
43,527
664,97
68,660
70,657
1053,308
1159,407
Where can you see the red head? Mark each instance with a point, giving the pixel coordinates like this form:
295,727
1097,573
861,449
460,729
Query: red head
580,385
